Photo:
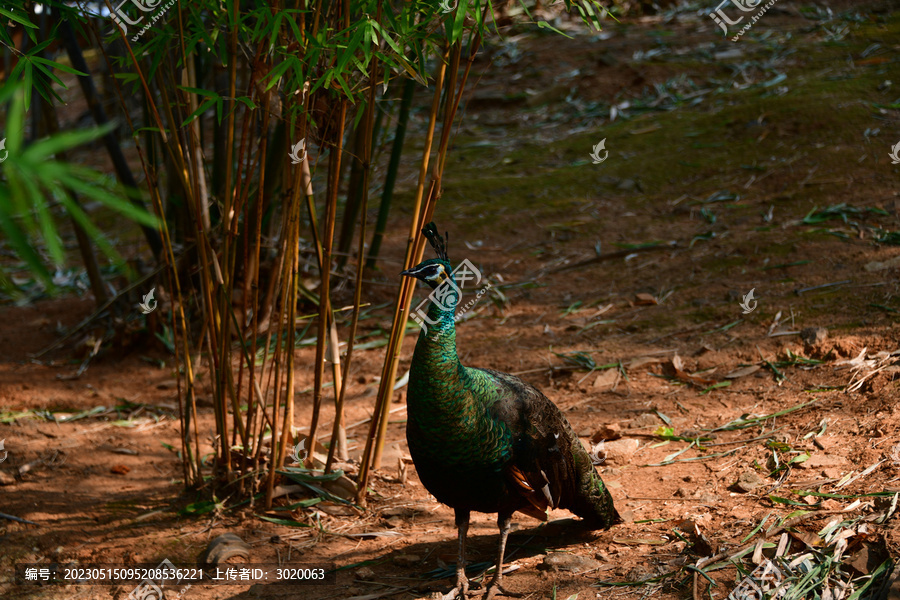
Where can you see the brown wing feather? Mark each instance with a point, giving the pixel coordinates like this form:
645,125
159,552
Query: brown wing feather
538,504
548,456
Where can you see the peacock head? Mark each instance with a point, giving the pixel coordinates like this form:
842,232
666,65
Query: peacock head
433,271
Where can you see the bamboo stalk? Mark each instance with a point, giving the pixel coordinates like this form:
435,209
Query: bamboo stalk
415,248
293,241
334,163
252,248
290,232
338,442
355,183
338,426
238,243
233,241
300,185
208,265
401,307
234,202
409,88
187,400
418,242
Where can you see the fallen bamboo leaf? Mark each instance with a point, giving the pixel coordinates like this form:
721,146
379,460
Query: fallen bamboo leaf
641,361
743,372
671,458
705,457
779,500
631,249
653,127
606,379
757,528
747,421
715,386
861,475
821,287
675,368
640,541
726,327
288,522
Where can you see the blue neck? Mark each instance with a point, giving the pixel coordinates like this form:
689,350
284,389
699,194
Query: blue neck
437,344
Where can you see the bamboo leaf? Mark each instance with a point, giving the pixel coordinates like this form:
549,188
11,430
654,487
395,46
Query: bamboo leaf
19,242
199,91
287,522
46,148
111,200
202,109
20,19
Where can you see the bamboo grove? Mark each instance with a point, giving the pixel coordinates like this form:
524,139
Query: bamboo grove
248,120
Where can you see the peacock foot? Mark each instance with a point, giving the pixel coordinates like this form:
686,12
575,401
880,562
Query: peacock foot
495,589
461,591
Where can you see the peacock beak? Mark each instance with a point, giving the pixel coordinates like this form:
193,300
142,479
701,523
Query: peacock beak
415,272
426,272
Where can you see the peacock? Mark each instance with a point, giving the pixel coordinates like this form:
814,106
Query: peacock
486,441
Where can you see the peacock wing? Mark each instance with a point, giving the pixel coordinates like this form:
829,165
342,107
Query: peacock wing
550,467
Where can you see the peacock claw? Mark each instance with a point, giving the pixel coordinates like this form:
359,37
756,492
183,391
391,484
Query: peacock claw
458,593
493,590
461,591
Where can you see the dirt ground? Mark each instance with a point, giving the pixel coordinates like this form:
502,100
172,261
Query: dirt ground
723,154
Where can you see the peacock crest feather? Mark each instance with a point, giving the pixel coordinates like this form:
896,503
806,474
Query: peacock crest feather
438,243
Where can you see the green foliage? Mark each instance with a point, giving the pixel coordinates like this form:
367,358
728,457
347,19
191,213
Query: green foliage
32,180
304,52
839,211
296,52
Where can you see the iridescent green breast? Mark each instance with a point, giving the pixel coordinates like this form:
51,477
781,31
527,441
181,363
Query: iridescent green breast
451,434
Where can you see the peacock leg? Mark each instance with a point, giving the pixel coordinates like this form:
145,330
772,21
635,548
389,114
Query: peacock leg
462,582
496,586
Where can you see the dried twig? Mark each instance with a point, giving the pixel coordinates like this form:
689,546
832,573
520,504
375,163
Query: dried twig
615,255
800,291
16,519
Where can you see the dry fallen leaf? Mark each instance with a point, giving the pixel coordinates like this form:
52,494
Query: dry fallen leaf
607,379
607,432
641,361
644,299
675,368
743,372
